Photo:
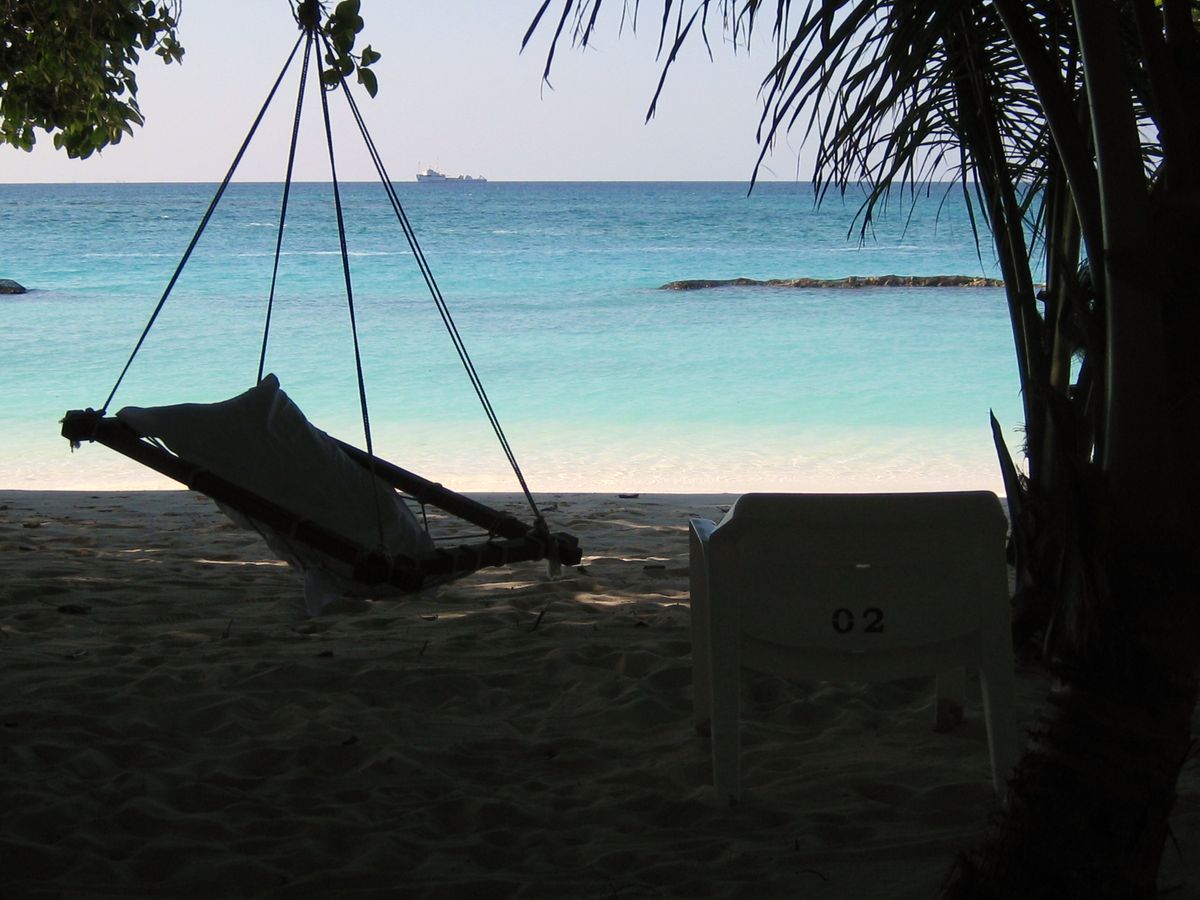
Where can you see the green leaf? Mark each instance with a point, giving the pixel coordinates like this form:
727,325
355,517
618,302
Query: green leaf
367,79
369,56
68,70
347,9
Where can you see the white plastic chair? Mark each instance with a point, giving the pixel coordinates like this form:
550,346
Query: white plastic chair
851,587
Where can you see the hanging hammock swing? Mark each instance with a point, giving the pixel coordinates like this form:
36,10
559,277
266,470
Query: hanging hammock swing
340,514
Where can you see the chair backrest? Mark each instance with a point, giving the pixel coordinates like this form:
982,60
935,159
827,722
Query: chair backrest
860,587
863,572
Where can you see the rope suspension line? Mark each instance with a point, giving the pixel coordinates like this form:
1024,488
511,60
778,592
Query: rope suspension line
358,367
313,41
283,206
438,298
203,222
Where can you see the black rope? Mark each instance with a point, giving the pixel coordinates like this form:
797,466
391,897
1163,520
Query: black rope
283,206
203,222
341,225
439,299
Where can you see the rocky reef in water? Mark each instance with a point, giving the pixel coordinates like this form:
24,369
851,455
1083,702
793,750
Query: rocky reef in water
853,281
8,286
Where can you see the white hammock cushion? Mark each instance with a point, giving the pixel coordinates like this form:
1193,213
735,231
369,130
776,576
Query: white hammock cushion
262,442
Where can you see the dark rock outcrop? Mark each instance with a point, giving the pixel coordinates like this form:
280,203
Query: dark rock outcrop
8,286
853,281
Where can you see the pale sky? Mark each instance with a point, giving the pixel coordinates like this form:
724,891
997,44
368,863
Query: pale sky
455,94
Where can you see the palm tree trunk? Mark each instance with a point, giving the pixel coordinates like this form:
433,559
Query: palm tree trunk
1087,809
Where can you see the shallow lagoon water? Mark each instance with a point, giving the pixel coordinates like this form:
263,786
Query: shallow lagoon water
601,380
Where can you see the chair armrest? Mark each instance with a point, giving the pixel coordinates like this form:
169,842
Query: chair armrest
702,528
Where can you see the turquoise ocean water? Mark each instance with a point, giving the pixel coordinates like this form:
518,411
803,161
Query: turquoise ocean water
601,380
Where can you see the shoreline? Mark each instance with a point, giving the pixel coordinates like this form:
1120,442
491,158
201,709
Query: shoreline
892,460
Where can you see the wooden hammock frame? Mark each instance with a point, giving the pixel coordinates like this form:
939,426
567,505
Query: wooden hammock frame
509,539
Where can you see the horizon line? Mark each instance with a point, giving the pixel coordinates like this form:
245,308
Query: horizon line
477,182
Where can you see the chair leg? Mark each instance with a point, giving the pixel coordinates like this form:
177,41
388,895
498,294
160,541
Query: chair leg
726,725
725,680
950,701
701,681
999,709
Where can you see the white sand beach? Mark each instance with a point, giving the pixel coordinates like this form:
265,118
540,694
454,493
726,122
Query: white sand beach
172,725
